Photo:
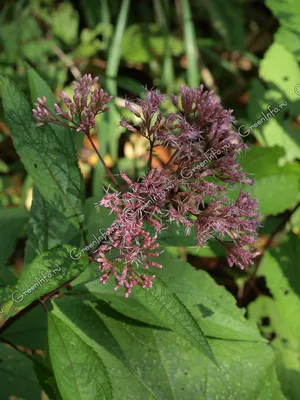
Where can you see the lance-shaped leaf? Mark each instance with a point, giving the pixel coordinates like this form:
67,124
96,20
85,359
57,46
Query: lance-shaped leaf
47,226
52,165
47,272
170,310
39,88
152,363
78,369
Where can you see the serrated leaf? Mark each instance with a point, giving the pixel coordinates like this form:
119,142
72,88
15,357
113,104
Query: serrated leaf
86,324
172,313
53,167
149,363
79,371
39,88
47,227
280,267
211,305
47,272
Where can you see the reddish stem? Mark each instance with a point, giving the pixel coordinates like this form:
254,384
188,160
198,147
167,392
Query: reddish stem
101,159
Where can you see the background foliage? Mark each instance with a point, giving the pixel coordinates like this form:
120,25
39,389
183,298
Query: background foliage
92,343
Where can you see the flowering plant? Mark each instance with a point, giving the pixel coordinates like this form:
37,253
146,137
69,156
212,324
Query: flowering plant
200,127
190,190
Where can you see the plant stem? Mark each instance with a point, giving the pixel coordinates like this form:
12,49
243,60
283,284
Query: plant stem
101,159
171,158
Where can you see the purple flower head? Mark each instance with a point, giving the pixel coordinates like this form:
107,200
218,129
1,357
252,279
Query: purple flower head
81,110
194,184
191,189
130,250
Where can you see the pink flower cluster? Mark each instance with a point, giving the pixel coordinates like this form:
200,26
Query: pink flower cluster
80,112
188,190
198,201
130,246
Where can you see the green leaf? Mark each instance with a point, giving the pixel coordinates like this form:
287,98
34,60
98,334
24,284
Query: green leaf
181,373
6,276
276,188
275,193
39,88
53,167
211,305
289,39
65,22
165,309
47,227
13,221
173,313
30,331
148,363
46,273
17,376
79,371
274,105
137,35
280,267
45,375
287,13
5,301
175,235
86,324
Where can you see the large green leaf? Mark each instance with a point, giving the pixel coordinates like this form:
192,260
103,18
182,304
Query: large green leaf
97,336
273,106
79,371
149,363
287,13
279,316
39,88
213,307
46,273
165,309
52,166
276,188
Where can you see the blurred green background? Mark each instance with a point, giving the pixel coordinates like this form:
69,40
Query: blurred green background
248,52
